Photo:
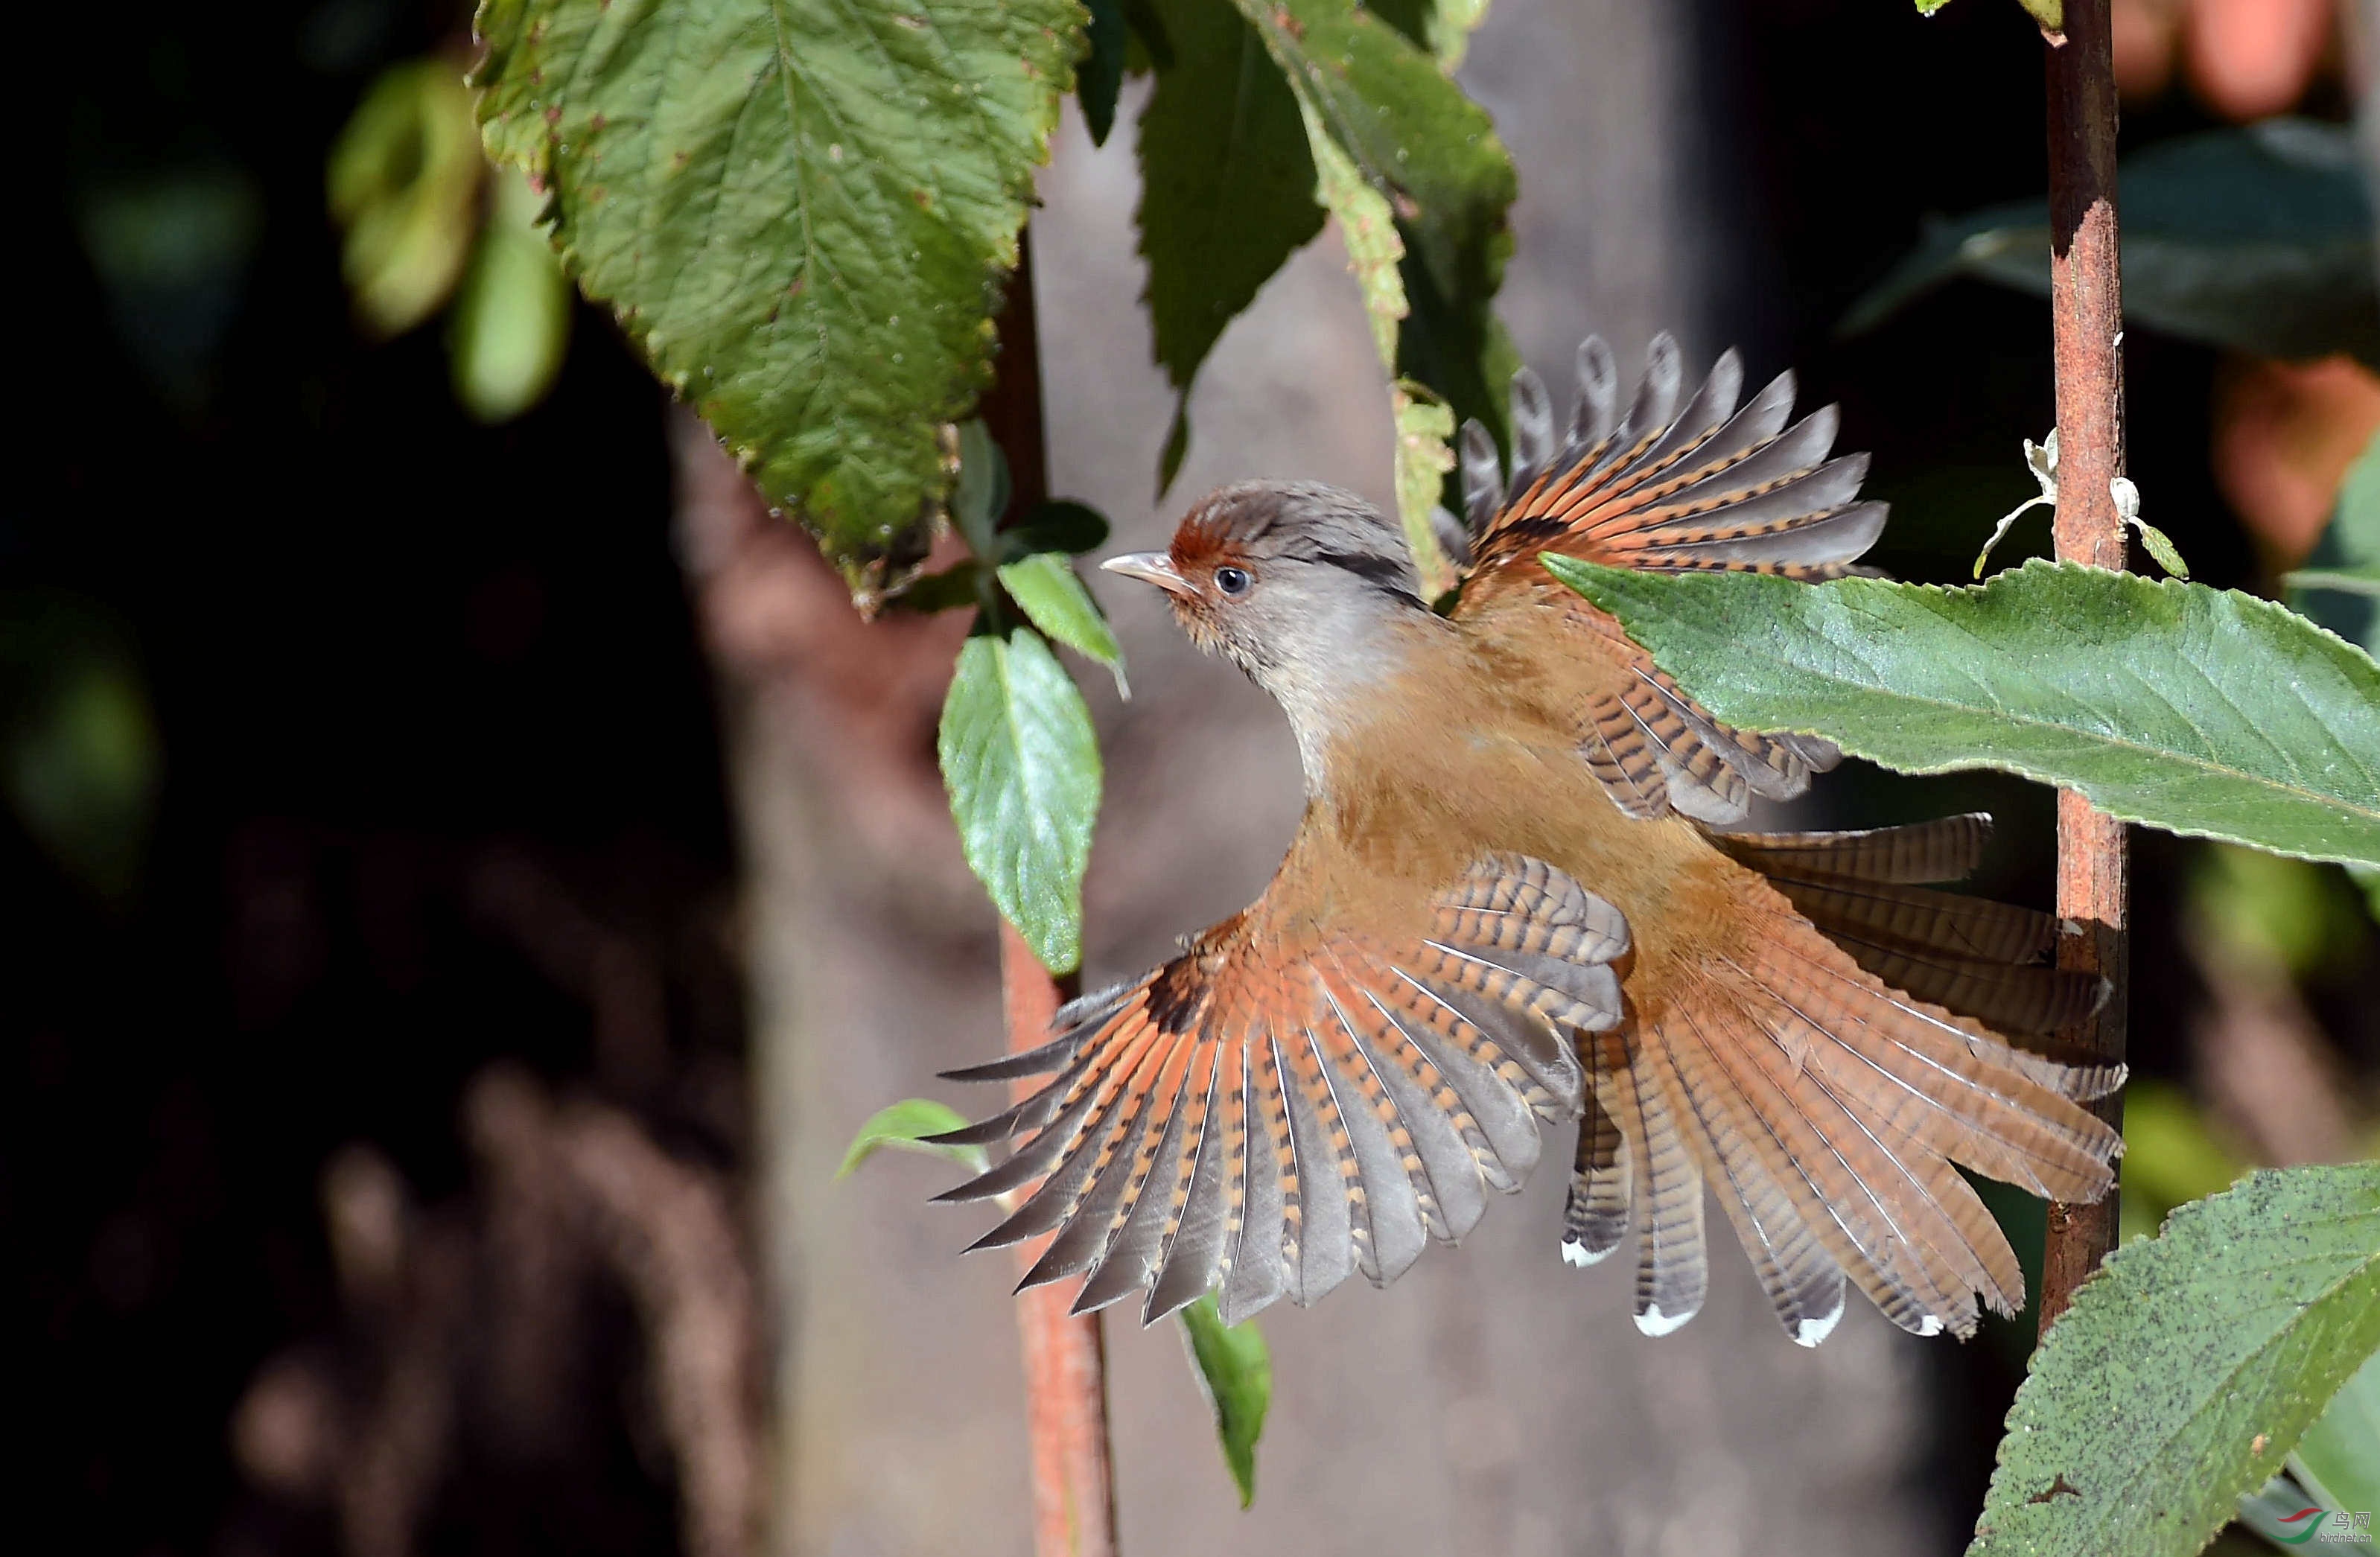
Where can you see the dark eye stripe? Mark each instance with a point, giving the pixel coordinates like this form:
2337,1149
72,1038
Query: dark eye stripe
1383,572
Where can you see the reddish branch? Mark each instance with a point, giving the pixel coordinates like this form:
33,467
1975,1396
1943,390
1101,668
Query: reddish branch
2087,325
1065,1366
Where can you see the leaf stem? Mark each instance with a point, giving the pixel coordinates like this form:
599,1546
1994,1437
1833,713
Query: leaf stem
2086,327
1065,1363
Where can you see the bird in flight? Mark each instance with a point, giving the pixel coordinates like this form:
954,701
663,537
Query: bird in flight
1518,897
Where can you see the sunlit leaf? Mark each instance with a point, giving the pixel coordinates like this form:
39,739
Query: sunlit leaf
2188,1367
903,1126
1023,769
802,213
404,186
1234,1371
1045,588
2199,710
510,327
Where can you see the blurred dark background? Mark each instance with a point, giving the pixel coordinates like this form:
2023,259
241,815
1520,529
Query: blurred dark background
377,953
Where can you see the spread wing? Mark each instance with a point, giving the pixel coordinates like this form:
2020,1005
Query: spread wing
1280,1105
1711,486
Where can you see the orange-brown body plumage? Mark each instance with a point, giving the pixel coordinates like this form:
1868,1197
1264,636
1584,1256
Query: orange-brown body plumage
1510,896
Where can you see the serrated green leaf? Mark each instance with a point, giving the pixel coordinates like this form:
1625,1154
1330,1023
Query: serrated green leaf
509,330
1101,76
1420,185
1234,1372
2339,584
1227,189
2198,711
404,186
2257,239
1045,588
2340,1456
1022,766
1442,26
1425,453
1413,137
2188,1367
902,1128
802,211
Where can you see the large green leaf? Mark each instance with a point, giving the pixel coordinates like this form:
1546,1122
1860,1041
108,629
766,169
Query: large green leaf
1023,769
2339,584
1234,1372
2198,711
802,210
1227,189
2257,239
2186,1368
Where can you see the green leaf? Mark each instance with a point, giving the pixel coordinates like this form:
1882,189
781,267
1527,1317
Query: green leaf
2339,584
1442,26
904,1126
1234,1371
1425,453
1227,189
510,327
1023,769
1420,185
80,756
980,498
1045,588
1411,135
1057,525
803,212
2257,239
2201,711
404,186
2186,1368
1101,76
2340,1456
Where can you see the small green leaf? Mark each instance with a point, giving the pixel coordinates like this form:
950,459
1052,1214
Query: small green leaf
2198,711
1058,525
2188,1367
2257,239
803,213
1022,766
510,327
1425,453
1227,190
981,497
1100,75
904,1126
404,186
1234,1372
1045,588
2339,584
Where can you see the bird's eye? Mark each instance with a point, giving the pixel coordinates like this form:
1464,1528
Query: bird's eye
1232,581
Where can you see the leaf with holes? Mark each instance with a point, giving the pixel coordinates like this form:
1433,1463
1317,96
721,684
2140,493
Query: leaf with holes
2198,711
2186,1368
1023,769
803,212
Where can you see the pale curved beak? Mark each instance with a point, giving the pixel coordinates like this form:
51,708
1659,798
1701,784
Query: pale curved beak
1150,568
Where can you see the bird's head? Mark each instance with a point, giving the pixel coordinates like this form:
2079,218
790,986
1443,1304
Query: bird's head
1308,588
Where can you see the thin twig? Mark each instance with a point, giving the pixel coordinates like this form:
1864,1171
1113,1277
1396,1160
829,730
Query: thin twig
2086,329
1065,1365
